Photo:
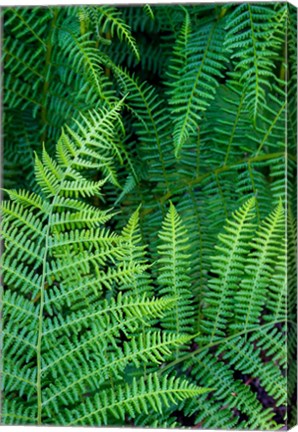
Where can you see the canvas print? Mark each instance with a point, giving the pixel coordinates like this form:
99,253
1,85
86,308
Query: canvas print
149,216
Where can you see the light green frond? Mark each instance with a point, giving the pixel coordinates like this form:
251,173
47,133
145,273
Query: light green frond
140,396
229,268
138,351
149,12
136,253
110,20
252,294
173,277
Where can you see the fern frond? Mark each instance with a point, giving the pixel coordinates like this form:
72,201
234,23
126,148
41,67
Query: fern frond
229,267
151,125
110,20
63,265
179,57
140,396
244,357
138,351
230,394
141,282
255,349
173,275
148,10
252,294
84,58
195,88
252,39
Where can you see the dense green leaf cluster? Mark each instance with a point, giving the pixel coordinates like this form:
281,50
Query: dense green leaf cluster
149,174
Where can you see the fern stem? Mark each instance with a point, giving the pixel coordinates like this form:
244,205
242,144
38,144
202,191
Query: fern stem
42,289
175,282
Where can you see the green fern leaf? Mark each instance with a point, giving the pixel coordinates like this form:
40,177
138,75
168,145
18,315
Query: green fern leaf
110,20
143,395
252,32
229,267
173,275
195,87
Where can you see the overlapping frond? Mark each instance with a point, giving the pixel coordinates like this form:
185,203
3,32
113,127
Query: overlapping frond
243,331
198,80
254,39
151,125
230,395
59,264
142,396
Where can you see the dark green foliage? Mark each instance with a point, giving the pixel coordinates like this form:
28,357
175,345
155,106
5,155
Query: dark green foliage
149,178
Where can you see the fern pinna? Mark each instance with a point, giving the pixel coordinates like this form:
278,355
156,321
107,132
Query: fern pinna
149,236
